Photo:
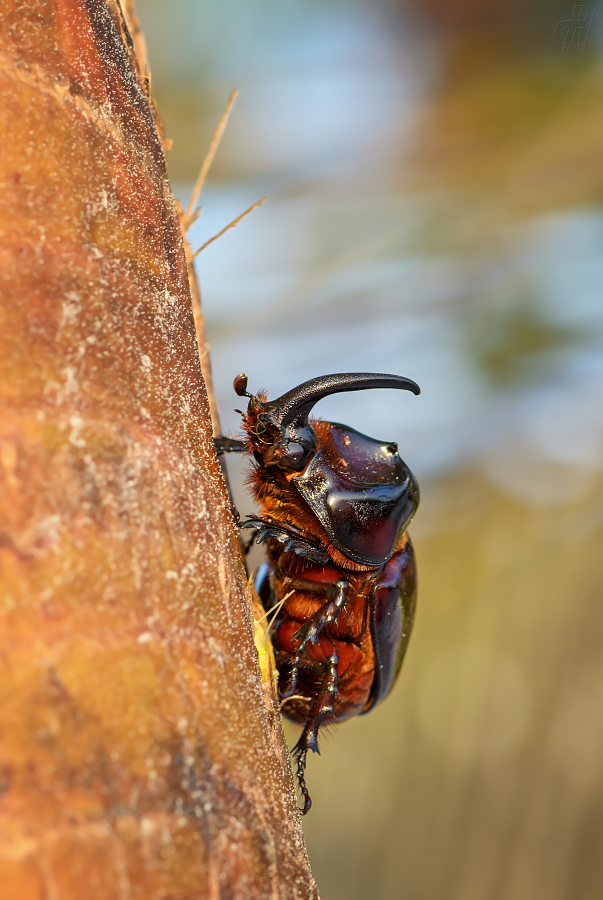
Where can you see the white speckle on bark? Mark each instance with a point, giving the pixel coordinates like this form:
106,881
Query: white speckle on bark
75,437
70,384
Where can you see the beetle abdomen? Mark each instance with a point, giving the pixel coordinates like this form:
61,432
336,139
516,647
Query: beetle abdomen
306,587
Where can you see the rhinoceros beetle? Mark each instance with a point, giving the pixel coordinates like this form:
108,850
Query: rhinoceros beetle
335,507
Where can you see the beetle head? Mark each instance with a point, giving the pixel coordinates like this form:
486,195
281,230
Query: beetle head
280,433
360,490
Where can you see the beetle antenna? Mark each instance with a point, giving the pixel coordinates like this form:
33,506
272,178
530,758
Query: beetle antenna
240,386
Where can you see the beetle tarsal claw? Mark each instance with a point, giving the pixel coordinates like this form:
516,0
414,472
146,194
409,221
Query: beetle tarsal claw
300,758
294,543
224,444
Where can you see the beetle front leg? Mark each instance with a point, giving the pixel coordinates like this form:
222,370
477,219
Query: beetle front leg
287,535
322,707
309,631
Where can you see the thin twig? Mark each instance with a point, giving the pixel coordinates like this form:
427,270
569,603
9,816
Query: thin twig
278,608
190,220
231,225
209,158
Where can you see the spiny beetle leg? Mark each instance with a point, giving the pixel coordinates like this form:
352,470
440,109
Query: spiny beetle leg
293,675
267,528
229,445
327,613
310,630
320,709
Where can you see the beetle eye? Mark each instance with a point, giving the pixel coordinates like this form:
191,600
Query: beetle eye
295,451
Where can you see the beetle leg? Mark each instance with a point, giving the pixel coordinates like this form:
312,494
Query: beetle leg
268,528
229,445
327,613
308,740
309,631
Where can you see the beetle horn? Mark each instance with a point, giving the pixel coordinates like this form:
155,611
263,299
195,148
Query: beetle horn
294,407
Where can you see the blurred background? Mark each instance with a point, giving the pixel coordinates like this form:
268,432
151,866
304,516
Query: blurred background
434,174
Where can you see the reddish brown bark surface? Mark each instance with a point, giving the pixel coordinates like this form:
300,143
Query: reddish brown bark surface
139,756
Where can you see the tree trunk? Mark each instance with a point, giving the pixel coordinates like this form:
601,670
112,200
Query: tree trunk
141,755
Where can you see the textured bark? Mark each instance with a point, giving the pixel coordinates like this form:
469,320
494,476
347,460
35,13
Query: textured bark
141,755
